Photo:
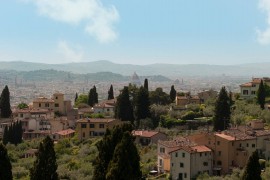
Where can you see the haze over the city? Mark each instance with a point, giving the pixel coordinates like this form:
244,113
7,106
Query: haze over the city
135,31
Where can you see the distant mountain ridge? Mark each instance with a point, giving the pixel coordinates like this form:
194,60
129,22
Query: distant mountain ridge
168,70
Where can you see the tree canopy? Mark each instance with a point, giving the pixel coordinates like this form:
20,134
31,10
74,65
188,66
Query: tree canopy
5,165
142,105
45,165
172,93
110,93
253,168
261,94
222,111
5,103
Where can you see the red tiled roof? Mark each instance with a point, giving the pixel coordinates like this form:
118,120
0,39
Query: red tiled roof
99,120
201,148
144,133
43,99
65,132
249,84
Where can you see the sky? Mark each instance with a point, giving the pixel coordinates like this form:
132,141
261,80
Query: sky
223,32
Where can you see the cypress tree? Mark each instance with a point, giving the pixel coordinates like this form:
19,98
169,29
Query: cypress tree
110,93
76,97
5,136
253,168
261,94
90,101
5,165
124,108
172,93
145,84
45,165
222,111
95,94
106,149
5,103
142,105
120,167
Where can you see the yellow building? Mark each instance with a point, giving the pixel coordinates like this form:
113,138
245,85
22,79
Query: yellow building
88,128
57,103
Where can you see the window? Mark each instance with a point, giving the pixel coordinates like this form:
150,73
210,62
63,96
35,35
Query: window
200,154
92,125
108,110
162,150
176,154
253,85
247,145
232,143
209,142
253,145
219,153
172,164
185,175
83,134
182,165
218,143
56,105
160,162
183,155
39,105
245,92
21,115
83,125
219,163
205,163
240,145
253,92
47,105
56,97
205,154
101,126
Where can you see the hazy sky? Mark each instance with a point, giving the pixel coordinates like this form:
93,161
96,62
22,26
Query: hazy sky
135,31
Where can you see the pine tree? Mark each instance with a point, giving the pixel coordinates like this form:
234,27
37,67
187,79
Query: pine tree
172,93
253,168
261,94
146,84
222,111
110,93
5,103
124,108
142,105
45,165
120,167
5,165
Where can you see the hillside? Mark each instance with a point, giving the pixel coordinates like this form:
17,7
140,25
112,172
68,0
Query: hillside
171,70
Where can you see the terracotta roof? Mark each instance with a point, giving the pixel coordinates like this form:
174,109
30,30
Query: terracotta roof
249,84
144,133
58,93
201,148
224,136
177,142
65,132
99,120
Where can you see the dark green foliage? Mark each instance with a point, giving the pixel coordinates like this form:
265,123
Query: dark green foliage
125,163
253,168
168,122
13,133
231,98
5,165
124,108
5,103
45,165
82,99
222,111
145,85
110,93
159,97
92,97
106,149
22,105
142,105
172,93
261,94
